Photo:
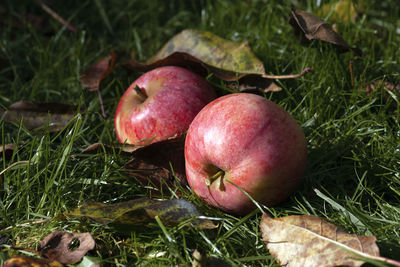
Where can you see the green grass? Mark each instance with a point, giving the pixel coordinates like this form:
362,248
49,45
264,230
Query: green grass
353,174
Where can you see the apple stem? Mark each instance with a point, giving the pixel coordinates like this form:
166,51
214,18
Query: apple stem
215,176
140,92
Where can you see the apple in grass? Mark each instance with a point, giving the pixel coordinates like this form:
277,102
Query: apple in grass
246,141
160,105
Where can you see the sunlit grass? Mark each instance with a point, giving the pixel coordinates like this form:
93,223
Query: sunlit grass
353,175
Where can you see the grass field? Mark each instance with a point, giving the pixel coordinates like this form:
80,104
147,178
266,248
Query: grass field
353,173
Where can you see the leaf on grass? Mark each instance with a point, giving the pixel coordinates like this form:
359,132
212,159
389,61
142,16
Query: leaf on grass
93,75
155,166
56,246
200,50
164,154
342,11
8,150
311,241
312,28
26,261
138,212
33,115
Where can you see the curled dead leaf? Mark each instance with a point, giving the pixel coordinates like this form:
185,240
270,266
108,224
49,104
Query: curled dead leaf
156,166
94,74
306,240
55,246
309,26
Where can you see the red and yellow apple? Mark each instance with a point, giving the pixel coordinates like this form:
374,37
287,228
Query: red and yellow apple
244,141
160,105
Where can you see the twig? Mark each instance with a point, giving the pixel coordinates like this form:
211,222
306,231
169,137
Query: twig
288,76
56,16
101,104
351,73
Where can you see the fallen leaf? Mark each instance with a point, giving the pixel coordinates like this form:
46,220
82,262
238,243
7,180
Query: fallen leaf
93,75
8,150
140,211
164,154
201,50
155,166
342,11
306,240
33,115
55,246
309,26
26,261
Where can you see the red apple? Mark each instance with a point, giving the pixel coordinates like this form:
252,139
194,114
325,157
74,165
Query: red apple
247,141
160,104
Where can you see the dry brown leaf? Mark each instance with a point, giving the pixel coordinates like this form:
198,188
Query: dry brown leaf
93,75
8,150
310,241
55,246
156,165
313,28
165,154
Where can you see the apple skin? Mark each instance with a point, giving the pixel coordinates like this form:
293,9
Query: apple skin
174,97
256,143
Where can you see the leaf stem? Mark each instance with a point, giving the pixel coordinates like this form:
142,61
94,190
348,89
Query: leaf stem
288,76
